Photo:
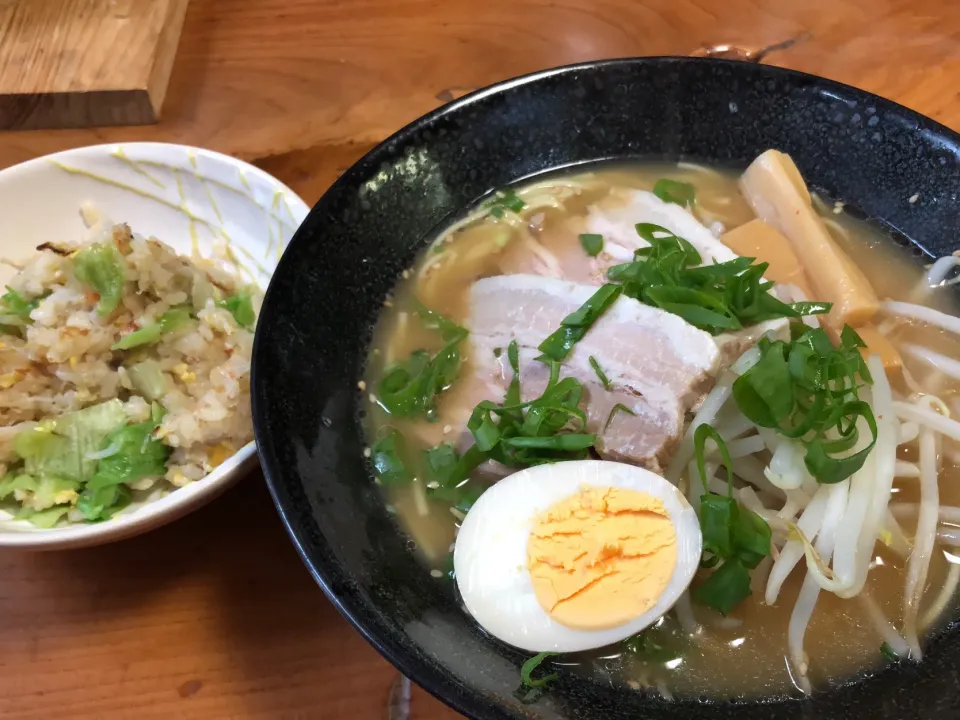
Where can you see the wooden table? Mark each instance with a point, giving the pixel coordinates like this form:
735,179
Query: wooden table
215,616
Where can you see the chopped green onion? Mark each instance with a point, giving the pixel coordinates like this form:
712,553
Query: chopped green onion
172,319
648,645
619,407
562,443
526,671
101,266
716,298
544,430
504,200
513,357
388,462
575,325
674,191
807,390
811,308
888,652
592,243
601,375
411,387
734,537
727,587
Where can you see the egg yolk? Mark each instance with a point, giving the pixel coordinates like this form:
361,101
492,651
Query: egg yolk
601,557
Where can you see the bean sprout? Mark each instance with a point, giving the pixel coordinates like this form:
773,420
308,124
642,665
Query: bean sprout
923,314
928,419
810,591
809,524
943,597
919,561
947,365
937,274
883,626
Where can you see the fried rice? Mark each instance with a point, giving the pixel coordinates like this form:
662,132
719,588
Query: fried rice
109,343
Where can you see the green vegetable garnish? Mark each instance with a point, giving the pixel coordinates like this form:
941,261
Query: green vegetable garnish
504,200
526,671
104,503
13,303
59,449
12,482
149,379
734,538
547,429
15,312
592,243
619,407
134,455
44,519
888,652
101,266
388,461
601,375
575,325
137,455
807,390
716,298
411,388
674,191
658,643
240,305
173,319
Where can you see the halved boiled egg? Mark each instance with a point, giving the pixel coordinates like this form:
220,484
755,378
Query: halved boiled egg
575,555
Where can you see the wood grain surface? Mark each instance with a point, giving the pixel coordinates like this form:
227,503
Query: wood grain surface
77,63
215,617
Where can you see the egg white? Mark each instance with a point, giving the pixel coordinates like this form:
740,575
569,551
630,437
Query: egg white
490,557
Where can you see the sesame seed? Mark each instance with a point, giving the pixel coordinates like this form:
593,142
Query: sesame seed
388,303
913,198
367,452
391,509
433,485
406,274
447,429
362,385
373,398
436,574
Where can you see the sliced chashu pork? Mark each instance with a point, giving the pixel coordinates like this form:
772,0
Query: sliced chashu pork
557,251
658,365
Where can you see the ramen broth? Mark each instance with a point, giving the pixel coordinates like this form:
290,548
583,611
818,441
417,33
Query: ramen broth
743,654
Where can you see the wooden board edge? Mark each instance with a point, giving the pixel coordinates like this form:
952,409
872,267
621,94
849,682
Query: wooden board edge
159,80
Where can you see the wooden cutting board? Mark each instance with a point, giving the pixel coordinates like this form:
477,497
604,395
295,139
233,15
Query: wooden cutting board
80,63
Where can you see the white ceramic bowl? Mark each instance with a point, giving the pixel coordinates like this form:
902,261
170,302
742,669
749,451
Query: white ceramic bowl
184,196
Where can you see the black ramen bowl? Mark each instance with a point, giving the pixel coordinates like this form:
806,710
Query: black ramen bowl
326,294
